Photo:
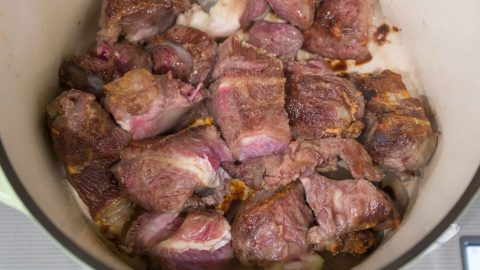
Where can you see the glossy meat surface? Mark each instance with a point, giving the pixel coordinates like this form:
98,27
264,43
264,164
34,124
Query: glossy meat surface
281,39
298,12
189,53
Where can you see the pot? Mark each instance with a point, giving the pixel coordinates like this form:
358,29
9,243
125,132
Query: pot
442,39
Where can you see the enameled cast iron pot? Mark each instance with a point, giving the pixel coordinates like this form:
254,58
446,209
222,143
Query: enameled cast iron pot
441,37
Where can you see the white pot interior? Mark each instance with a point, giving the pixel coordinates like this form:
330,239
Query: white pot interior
441,39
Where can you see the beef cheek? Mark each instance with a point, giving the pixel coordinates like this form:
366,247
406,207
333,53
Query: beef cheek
399,135
187,52
202,242
281,39
161,174
320,104
345,206
248,103
341,30
272,227
147,105
137,20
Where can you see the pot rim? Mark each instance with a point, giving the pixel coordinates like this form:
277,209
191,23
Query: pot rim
81,254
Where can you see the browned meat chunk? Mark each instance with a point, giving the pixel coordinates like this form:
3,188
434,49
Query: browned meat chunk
345,206
187,52
97,188
149,229
298,12
272,227
341,29
147,105
281,39
399,135
358,242
315,66
162,174
203,242
102,65
303,156
87,140
320,104
137,20
82,131
248,103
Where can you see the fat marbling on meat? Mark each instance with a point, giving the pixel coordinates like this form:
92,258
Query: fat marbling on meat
149,229
188,52
341,29
248,100
203,242
345,206
298,12
224,17
275,170
147,105
272,227
399,135
320,104
137,20
281,39
162,174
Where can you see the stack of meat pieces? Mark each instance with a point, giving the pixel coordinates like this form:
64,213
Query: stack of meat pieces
177,127
88,142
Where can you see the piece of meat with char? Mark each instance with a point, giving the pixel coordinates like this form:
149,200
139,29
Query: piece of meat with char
320,104
149,229
298,12
137,20
82,131
97,188
223,18
399,135
147,105
345,206
357,242
272,227
203,242
276,170
248,100
103,64
88,142
281,39
341,30
187,52
161,174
